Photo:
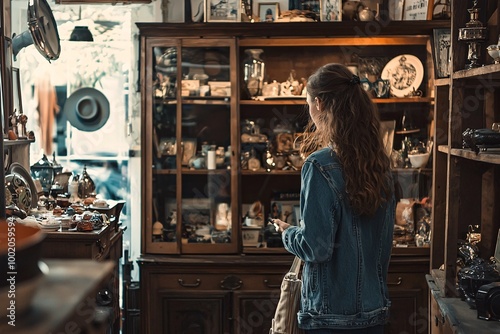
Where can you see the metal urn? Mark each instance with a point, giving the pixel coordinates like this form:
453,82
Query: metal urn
473,34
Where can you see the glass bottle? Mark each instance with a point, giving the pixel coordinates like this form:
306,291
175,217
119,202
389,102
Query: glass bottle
86,186
253,72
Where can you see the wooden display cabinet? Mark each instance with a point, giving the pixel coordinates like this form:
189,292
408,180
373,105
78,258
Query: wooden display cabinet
465,183
235,279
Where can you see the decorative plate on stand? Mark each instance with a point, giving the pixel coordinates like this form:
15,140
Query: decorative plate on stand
17,168
405,74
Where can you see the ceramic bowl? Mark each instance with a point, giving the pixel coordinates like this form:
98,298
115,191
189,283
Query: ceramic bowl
419,160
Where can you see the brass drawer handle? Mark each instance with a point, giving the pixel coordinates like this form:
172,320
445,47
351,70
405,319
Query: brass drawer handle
400,280
231,283
439,321
271,286
189,285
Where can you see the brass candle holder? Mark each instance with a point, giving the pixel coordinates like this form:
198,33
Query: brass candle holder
473,34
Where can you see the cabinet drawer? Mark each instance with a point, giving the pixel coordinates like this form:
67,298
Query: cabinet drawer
220,281
406,281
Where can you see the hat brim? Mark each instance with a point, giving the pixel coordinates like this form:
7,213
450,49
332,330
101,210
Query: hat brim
70,109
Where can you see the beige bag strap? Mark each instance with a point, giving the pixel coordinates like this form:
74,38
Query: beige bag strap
295,268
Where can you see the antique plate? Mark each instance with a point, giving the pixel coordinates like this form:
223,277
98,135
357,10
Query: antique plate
405,74
17,168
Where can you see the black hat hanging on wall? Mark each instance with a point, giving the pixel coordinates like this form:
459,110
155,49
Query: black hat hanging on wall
87,109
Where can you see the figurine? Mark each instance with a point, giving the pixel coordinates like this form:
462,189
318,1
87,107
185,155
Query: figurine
21,126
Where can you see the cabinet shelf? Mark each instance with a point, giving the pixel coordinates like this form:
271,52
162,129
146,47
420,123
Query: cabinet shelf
273,172
164,171
303,101
293,30
491,72
442,82
187,171
17,142
491,158
196,100
207,100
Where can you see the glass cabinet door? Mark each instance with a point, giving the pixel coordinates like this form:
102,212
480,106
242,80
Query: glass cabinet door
192,166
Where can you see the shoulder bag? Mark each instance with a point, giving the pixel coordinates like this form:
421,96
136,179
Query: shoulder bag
285,317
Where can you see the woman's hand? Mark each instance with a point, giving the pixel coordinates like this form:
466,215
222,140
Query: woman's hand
281,224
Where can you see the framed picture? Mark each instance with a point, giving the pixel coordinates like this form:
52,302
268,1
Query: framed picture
396,9
296,214
441,50
387,129
196,212
285,210
16,91
223,11
312,5
415,10
188,150
269,11
441,10
331,10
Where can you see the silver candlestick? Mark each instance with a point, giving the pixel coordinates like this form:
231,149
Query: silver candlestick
473,34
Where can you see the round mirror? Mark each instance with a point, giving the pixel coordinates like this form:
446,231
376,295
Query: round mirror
42,31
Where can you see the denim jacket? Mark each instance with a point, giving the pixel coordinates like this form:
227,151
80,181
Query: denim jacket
346,256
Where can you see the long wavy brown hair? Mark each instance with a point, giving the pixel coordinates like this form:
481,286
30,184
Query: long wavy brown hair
349,122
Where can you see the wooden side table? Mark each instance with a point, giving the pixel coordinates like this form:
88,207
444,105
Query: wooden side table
99,245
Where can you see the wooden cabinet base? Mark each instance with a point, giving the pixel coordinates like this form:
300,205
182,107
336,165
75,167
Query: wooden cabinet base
238,294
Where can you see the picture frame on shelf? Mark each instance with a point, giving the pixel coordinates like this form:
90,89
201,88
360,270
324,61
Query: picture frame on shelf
269,11
441,49
276,210
396,8
197,10
285,210
16,91
387,129
330,10
228,11
296,214
188,150
312,5
417,10
441,10
196,211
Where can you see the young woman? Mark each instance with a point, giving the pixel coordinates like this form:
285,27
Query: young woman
347,210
